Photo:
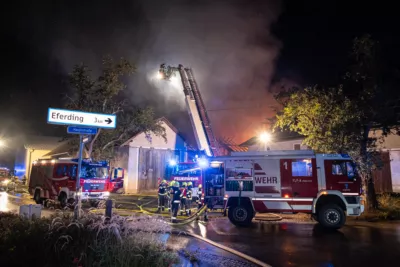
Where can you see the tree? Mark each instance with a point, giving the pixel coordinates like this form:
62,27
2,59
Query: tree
104,94
341,119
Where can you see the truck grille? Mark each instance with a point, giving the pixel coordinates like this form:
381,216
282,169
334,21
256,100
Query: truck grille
91,187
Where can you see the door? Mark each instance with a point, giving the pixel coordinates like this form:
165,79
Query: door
299,178
341,175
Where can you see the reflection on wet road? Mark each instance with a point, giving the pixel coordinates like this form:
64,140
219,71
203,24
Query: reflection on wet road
11,203
306,244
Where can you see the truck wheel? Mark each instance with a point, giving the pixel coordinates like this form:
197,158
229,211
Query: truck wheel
241,215
331,216
63,199
37,197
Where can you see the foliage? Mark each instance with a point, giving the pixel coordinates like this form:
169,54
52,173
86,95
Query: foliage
389,206
91,241
341,119
105,95
324,116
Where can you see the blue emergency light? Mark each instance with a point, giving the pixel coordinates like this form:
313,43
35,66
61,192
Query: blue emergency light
172,162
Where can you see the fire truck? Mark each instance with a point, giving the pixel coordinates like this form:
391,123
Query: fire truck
56,179
5,177
326,186
187,172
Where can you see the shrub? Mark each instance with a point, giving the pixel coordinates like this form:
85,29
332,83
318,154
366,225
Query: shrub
91,241
389,206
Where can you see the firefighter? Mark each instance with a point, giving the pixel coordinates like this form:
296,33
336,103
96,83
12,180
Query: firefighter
199,197
176,199
183,198
170,194
189,197
162,193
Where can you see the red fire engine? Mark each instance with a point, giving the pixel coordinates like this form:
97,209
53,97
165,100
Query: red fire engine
326,186
56,179
186,172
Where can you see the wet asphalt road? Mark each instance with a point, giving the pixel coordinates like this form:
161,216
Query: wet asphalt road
285,243
303,244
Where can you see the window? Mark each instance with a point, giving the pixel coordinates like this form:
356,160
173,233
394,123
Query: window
73,171
297,147
59,170
302,168
65,170
344,168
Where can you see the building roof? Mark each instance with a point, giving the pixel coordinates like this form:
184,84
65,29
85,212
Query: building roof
277,136
41,142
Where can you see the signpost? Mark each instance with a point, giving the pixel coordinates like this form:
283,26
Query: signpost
77,119
80,118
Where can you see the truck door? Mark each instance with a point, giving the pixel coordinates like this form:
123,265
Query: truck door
299,178
341,175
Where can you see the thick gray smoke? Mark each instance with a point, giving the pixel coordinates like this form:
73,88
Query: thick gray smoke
227,43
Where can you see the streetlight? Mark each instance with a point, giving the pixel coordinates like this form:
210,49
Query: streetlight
265,138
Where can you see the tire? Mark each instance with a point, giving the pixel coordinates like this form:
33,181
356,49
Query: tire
63,199
241,215
37,197
331,216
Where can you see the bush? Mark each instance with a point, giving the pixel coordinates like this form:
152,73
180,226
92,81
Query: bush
91,241
389,206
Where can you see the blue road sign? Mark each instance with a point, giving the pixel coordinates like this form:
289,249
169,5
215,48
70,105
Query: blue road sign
81,130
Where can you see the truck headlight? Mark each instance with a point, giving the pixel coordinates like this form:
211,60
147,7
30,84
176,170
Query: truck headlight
106,194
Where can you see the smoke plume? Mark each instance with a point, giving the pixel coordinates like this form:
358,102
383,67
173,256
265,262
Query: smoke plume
228,44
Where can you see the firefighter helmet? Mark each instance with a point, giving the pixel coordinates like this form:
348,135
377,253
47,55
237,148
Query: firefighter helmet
176,184
190,184
164,181
200,186
184,184
171,184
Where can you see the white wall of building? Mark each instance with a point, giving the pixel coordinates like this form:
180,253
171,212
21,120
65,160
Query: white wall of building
174,142
284,145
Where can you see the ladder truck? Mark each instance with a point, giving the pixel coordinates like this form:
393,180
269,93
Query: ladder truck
196,172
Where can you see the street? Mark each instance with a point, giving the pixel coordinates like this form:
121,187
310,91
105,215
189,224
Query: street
288,242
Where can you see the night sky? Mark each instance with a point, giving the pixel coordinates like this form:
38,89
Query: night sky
240,51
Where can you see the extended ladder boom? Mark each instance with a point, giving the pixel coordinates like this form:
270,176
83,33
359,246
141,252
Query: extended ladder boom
203,113
205,137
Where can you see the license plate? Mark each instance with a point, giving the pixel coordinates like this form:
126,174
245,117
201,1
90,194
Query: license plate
94,195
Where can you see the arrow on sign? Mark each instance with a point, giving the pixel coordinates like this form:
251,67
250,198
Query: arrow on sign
108,121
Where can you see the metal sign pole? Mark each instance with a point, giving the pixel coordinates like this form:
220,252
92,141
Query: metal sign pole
78,202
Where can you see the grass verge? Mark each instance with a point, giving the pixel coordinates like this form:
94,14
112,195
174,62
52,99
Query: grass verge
90,241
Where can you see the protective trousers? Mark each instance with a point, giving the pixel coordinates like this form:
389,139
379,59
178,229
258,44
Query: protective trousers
175,208
183,204
161,202
188,204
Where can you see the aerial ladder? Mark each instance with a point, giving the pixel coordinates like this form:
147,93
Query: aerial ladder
205,138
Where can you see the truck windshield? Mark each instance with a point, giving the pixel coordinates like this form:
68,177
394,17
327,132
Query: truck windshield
94,172
186,170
